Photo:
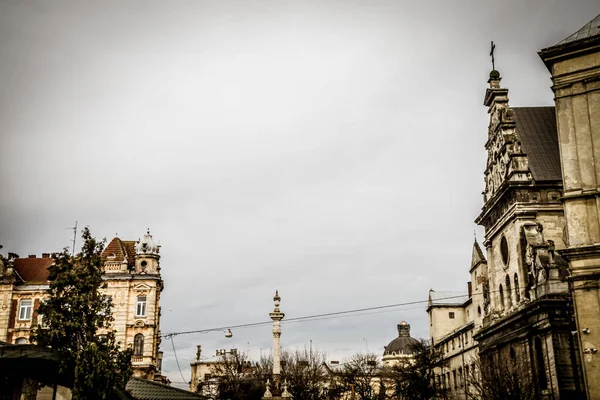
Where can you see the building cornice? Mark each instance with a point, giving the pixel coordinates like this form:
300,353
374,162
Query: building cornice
555,54
32,288
549,304
456,332
451,305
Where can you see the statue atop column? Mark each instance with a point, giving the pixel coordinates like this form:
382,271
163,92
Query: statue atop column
276,390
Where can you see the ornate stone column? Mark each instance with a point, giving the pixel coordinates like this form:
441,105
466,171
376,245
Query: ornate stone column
276,316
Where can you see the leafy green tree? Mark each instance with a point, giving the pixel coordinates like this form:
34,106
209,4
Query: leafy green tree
76,323
414,378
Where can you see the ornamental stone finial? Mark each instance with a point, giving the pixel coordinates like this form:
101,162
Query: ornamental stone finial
285,392
268,391
277,299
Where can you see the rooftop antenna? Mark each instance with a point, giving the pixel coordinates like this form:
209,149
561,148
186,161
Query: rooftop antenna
74,236
492,48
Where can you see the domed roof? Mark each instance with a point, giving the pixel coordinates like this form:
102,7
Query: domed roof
147,245
403,343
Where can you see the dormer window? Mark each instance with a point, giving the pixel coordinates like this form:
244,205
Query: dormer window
111,256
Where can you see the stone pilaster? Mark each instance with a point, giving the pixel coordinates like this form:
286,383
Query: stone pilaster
575,67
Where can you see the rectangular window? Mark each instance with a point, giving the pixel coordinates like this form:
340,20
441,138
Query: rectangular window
140,309
451,315
25,309
454,379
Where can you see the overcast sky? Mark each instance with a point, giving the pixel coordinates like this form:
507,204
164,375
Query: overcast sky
331,149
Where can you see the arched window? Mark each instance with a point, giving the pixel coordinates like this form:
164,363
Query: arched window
541,367
508,292
513,357
21,340
504,250
501,293
138,345
517,289
479,311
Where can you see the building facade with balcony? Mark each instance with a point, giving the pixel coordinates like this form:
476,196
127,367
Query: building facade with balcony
133,282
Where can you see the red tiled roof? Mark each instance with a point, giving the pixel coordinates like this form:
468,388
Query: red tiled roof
33,270
121,249
114,250
129,246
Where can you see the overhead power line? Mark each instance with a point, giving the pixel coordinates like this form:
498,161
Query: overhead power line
177,359
309,317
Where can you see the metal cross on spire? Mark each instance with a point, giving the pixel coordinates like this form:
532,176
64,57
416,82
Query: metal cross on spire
492,48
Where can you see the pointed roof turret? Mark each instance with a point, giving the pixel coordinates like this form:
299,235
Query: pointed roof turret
119,250
477,256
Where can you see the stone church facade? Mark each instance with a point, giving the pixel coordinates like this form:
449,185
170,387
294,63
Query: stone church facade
534,294
528,313
134,283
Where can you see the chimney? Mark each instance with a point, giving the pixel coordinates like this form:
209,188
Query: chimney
32,256
45,255
469,289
